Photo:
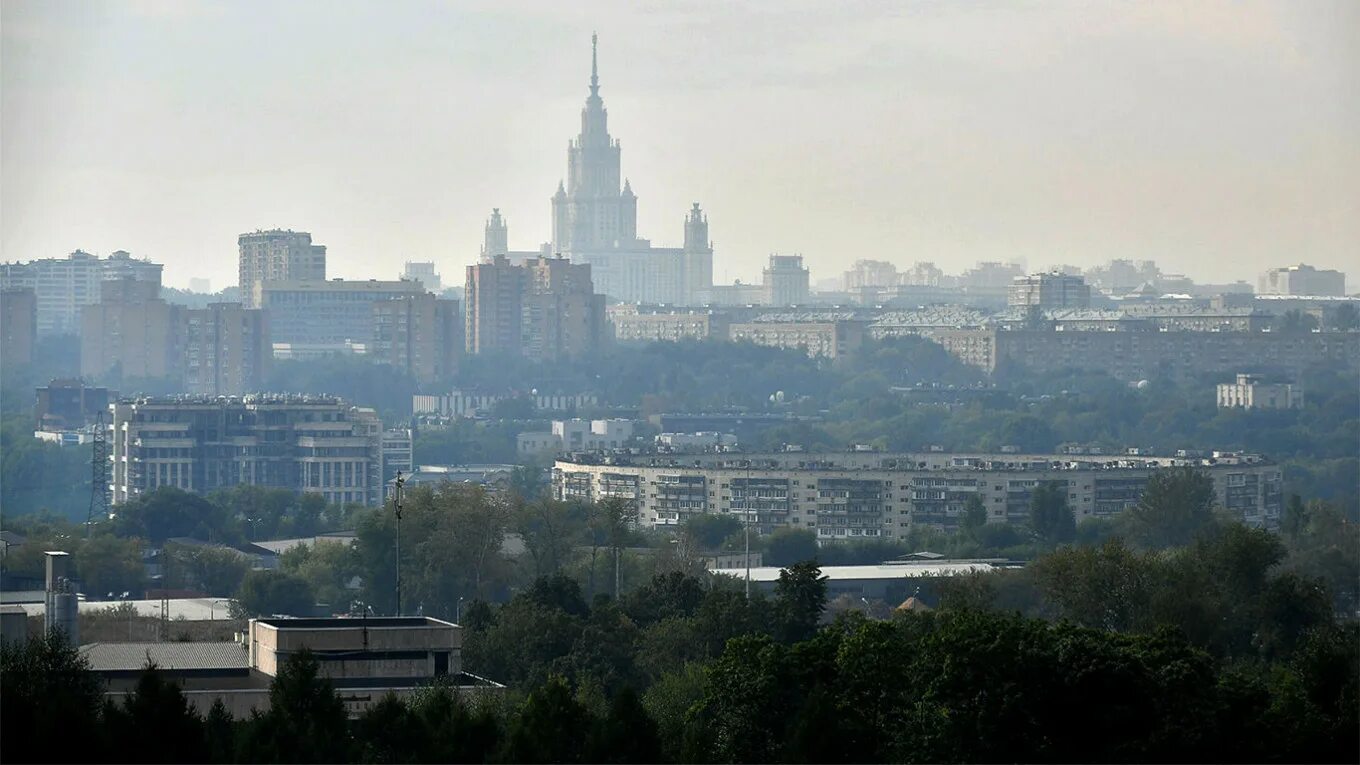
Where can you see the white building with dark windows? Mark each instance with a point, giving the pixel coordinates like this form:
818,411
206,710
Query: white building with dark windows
313,444
858,495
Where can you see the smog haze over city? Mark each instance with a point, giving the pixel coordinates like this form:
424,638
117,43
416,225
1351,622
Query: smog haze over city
742,382
1200,134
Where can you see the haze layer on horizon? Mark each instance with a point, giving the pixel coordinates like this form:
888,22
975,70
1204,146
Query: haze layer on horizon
1216,138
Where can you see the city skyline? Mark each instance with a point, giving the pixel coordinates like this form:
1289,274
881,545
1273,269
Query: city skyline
1198,135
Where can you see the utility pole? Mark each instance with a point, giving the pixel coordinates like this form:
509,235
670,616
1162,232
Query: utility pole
396,502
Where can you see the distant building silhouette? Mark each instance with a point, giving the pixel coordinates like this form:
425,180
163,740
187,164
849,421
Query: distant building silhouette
594,215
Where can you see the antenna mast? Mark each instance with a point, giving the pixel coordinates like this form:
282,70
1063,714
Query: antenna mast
99,475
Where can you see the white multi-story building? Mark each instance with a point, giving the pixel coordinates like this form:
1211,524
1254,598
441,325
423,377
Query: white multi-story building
63,286
313,444
1302,280
1048,291
1249,392
858,495
397,452
577,435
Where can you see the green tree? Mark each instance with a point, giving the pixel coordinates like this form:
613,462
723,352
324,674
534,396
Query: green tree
1345,318
306,721
800,598
326,566
710,531
157,724
549,529
49,703
787,546
217,571
626,734
974,514
1106,587
109,565
1176,505
1295,322
549,726
169,512
1050,517
388,732
264,593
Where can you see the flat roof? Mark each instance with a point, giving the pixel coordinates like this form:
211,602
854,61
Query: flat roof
873,572
351,622
189,609
112,657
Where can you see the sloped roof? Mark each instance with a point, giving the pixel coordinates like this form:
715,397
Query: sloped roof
913,604
109,657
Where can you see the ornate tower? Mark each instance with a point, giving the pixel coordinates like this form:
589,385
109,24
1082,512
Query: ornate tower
698,256
589,211
497,238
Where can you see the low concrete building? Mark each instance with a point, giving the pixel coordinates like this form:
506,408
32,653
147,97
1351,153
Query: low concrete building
1250,392
366,659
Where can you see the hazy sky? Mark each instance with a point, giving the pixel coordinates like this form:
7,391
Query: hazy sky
1216,138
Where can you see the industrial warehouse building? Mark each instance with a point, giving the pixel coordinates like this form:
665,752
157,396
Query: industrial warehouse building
857,495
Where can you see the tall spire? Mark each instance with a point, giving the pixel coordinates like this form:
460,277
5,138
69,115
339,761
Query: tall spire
594,65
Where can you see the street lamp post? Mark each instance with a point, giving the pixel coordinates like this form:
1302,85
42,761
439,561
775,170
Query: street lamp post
212,605
400,483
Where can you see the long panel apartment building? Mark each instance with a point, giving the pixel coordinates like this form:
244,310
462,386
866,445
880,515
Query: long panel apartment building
314,444
857,495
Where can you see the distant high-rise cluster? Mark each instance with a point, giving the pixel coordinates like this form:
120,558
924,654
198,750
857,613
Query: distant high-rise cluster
545,308
278,255
63,286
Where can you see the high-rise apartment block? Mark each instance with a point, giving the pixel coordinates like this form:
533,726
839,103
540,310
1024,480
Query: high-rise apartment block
18,326
421,334
545,308
227,349
331,313
63,286
278,256
313,444
1049,291
1302,280
133,334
